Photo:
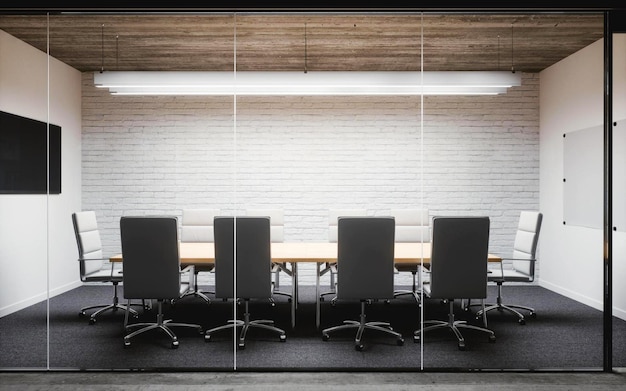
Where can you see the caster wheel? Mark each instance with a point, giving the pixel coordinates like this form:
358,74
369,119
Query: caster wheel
289,300
321,299
81,314
492,338
92,320
522,321
325,337
533,315
400,342
416,339
358,347
461,345
241,346
283,338
207,338
174,344
126,343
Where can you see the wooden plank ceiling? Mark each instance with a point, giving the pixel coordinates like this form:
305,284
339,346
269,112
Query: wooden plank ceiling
315,41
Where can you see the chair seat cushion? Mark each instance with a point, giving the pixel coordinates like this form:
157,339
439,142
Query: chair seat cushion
204,268
407,267
496,275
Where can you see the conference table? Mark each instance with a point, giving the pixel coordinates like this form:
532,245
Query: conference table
298,252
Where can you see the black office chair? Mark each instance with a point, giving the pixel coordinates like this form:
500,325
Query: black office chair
331,267
251,263
458,270
365,257
152,270
91,262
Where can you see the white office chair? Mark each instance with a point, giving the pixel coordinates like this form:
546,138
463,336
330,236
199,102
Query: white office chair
197,227
91,262
412,225
277,224
522,267
331,267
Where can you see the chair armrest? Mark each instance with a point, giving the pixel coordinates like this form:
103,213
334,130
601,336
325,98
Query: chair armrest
93,259
100,259
519,259
511,259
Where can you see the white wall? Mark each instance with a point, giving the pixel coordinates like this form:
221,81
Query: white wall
37,244
572,99
157,155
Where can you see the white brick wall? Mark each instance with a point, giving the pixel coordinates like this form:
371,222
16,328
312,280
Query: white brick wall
158,155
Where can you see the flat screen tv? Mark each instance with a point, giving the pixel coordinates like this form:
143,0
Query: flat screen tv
26,167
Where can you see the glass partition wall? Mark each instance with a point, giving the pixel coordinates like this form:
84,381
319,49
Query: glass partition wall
308,156
618,187
27,250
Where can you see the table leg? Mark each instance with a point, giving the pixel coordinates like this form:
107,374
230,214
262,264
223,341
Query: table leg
294,292
296,286
317,294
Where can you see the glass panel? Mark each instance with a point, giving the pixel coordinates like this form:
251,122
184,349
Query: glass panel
148,155
26,242
482,157
318,157
619,190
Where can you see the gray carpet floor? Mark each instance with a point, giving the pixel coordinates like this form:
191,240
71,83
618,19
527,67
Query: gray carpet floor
566,335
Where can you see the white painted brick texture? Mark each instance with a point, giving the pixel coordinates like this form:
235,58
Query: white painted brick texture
158,155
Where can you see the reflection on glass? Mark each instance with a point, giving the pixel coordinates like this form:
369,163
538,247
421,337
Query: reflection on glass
303,156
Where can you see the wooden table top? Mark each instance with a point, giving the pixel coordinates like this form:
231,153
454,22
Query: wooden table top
204,253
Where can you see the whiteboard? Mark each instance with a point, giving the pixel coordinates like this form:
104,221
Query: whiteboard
583,177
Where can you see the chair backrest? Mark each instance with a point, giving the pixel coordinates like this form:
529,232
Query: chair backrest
412,225
197,225
151,258
88,242
365,256
334,214
458,267
252,257
526,238
277,222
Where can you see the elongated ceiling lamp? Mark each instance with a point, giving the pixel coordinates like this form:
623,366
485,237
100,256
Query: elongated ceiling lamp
309,83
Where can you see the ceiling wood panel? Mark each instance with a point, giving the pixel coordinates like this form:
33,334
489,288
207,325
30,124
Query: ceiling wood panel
317,41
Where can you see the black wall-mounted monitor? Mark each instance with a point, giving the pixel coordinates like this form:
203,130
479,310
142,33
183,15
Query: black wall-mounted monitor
26,167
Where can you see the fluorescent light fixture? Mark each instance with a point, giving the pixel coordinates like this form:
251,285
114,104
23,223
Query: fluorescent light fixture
310,83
